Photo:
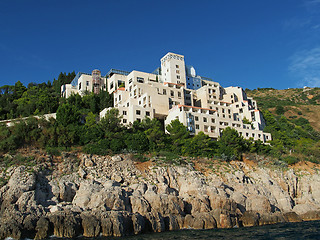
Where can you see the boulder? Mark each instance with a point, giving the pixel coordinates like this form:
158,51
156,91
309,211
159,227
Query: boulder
271,218
292,217
165,204
258,203
250,219
310,216
67,191
139,205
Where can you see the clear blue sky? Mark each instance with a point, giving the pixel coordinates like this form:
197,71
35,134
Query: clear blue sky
247,43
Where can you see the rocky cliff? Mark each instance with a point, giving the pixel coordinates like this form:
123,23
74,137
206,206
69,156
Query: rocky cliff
78,194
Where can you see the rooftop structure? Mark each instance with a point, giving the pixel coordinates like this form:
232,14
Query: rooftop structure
84,82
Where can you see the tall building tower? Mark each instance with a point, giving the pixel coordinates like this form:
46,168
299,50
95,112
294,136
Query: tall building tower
173,69
96,81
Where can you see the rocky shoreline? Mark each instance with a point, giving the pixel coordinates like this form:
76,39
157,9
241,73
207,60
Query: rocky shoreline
78,194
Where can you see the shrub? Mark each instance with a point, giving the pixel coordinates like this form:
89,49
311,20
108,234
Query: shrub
99,148
53,151
280,110
290,159
140,157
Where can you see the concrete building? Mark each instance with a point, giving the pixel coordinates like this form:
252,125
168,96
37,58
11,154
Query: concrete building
84,82
175,91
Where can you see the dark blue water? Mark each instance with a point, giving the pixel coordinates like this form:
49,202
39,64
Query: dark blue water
303,230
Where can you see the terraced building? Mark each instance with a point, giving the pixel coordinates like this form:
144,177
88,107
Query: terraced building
175,91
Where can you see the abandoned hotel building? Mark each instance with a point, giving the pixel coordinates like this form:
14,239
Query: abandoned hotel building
175,91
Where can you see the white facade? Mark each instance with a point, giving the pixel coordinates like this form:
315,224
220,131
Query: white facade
175,92
83,83
209,108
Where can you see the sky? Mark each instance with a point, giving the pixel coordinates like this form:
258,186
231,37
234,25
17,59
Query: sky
247,43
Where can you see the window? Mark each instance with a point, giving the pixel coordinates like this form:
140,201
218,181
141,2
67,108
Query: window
124,120
164,92
87,83
138,119
138,112
147,113
213,120
196,118
177,66
130,80
140,79
197,126
204,119
177,71
124,113
172,93
179,94
79,86
178,77
111,85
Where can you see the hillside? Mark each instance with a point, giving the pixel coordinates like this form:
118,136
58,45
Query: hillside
292,103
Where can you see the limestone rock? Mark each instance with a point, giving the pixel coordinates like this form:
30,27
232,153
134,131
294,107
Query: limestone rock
65,224
140,205
310,216
90,225
271,218
258,203
67,191
42,228
155,222
291,217
139,223
250,219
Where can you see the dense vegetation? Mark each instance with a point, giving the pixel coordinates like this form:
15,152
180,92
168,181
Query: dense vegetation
71,128
293,138
76,125
20,101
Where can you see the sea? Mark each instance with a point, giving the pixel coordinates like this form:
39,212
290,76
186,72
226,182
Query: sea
301,230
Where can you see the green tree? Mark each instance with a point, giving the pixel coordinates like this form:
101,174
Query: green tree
19,89
178,134
231,144
199,145
137,142
67,115
111,122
